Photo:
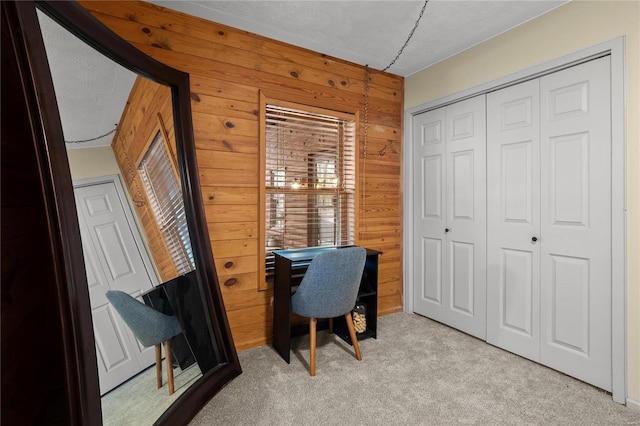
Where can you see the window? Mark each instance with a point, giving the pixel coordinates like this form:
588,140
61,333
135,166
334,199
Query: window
309,178
165,199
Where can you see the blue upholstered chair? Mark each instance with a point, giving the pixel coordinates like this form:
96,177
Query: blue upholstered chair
150,327
329,289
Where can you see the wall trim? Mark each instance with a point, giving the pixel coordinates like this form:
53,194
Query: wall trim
614,48
633,404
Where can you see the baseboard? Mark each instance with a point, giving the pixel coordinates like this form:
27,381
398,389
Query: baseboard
632,403
250,344
389,311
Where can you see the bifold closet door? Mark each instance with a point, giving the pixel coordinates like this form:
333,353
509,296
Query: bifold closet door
575,277
549,220
513,219
449,154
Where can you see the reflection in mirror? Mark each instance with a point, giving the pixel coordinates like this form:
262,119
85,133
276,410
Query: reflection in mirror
119,130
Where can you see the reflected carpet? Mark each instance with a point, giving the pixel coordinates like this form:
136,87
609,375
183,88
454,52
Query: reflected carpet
138,402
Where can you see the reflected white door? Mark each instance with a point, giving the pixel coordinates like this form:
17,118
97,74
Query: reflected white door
450,215
513,219
576,222
113,262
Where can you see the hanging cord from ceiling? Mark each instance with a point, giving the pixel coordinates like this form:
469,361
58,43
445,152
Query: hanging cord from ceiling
424,6
368,72
131,177
95,138
367,75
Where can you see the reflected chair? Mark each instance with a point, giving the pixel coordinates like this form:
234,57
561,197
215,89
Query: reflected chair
329,289
150,327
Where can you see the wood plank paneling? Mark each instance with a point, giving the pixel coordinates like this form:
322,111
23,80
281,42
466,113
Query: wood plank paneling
138,126
228,69
156,16
236,265
227,160
224,195
251,326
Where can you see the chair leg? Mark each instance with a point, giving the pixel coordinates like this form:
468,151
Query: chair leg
352,334
167,358
158,366
330,325
312,346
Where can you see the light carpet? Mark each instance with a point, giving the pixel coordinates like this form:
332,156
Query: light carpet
418,372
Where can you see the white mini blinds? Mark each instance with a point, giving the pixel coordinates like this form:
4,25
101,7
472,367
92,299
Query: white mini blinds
310,179
165,198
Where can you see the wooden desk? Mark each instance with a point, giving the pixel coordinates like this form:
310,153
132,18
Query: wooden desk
290,266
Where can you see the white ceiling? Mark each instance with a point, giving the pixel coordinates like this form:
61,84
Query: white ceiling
92,90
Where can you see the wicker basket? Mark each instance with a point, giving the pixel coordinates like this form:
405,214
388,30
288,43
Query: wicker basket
359,315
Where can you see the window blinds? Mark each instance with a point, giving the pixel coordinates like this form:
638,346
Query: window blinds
165,199
310,179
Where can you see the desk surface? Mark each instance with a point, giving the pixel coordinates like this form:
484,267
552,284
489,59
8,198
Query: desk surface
308,253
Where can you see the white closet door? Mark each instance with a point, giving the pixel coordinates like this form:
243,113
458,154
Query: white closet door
113,262
513,219
466,205
576,222
450,215
429,160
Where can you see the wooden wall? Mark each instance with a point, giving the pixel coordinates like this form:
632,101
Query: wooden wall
148,111
229,68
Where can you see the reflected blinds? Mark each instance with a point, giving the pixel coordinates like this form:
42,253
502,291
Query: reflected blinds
310,179
165,198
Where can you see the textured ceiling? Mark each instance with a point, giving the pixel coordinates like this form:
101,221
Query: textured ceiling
92,91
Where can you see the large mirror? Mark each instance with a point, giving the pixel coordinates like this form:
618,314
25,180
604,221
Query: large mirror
126,127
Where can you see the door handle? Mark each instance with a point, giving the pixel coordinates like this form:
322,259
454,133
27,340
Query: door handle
446,230
534,239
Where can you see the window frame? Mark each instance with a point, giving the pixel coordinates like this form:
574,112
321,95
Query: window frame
324,108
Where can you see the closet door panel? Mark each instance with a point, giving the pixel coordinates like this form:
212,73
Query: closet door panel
513,182
465,293
569,310
431,177
431,271
449,155
429,217
576,222
517,292
462,277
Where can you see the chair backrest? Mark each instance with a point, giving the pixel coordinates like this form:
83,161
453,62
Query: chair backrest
330,286
148,325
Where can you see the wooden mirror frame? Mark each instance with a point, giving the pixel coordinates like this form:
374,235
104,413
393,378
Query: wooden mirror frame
76,342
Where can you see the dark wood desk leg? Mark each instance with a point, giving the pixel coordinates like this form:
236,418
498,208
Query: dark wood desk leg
282,308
